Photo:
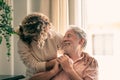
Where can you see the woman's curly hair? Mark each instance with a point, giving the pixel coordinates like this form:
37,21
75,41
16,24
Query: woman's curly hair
34,25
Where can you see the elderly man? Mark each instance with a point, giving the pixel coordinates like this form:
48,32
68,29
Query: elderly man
74,64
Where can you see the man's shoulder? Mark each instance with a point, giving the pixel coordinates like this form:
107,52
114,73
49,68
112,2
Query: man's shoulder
90,60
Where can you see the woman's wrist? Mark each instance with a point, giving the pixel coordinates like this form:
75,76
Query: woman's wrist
50,65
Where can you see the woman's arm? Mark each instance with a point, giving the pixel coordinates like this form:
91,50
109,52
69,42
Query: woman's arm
46,75
29,60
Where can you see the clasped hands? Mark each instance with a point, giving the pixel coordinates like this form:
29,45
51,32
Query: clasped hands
64,63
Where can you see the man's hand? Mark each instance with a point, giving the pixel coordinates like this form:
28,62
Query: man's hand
67,66
65,62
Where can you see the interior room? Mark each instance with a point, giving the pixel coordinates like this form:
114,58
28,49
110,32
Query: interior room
99,18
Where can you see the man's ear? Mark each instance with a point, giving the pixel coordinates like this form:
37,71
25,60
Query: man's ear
81,42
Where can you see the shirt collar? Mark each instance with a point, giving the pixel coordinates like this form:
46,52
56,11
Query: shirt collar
82,56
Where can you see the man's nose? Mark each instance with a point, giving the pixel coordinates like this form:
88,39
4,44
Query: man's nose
64,40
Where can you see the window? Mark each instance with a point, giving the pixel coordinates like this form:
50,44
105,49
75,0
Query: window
102,44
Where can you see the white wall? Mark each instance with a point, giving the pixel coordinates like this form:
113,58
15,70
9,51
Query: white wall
5,65
20,11
14,66
109,66
106,12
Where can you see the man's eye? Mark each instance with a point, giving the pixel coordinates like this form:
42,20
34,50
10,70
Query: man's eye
69,36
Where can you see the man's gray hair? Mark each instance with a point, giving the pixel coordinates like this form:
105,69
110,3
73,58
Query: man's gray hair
80,32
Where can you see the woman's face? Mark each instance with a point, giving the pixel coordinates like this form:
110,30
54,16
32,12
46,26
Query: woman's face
47,28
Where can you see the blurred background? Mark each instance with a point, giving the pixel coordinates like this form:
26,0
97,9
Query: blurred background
99,18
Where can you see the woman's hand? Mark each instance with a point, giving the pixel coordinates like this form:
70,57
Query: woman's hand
50,64
47,75
56,68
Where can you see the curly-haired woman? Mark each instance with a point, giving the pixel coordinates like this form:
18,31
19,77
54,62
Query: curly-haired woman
38,43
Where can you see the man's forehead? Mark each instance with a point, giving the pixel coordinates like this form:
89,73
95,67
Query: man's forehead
70,32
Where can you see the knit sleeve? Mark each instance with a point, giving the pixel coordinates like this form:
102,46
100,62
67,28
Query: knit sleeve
58,38
28,59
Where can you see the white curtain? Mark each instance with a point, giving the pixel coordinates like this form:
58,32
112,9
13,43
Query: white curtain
56,10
